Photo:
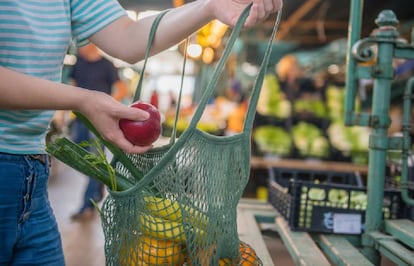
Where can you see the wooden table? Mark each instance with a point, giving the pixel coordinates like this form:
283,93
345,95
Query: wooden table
266,162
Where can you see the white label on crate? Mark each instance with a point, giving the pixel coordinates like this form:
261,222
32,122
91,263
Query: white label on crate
347,223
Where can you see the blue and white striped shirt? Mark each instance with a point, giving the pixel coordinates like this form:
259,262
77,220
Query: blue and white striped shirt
34,37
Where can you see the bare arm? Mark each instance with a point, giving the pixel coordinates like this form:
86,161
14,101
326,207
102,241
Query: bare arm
127,40
21,91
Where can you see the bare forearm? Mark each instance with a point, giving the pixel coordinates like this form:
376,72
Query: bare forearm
129,39
19,91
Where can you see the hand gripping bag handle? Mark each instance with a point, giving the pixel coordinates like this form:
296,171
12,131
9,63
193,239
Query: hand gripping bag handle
259,79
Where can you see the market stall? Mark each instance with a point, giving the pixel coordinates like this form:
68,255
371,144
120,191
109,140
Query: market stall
323,150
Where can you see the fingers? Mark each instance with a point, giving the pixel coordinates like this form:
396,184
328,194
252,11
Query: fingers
117,137
114,135
105,114
133,114
261,9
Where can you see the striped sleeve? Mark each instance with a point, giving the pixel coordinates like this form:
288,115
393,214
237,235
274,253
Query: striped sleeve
90,16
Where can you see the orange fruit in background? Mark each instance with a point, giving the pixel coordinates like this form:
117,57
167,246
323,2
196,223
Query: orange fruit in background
248,255
149,251
225,262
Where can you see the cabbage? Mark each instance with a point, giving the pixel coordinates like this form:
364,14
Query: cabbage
309,140
273,140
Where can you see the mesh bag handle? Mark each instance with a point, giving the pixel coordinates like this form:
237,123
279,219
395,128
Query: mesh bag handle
151,37
138,89
248,124
257,84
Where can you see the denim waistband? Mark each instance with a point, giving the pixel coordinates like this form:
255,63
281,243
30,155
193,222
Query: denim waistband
43,158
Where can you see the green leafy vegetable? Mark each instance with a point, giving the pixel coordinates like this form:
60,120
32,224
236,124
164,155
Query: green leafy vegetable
272,139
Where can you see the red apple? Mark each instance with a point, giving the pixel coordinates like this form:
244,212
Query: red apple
142,133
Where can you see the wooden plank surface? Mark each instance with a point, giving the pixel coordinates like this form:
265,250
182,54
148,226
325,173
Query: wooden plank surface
264,162
301,246
341,251
389,247
249,230
402,229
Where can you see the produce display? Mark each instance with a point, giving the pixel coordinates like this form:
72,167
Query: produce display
272,101
335,98
315,200
336,197
142,133
315,107
313,127
212,121
313,205
353,141
310,141
273,140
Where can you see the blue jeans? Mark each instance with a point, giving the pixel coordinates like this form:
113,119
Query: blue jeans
28,230
95,188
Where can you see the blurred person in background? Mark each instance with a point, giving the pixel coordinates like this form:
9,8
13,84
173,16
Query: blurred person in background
93,71
35,36
292,77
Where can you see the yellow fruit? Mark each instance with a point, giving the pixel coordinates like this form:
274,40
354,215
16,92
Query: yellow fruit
164,208
197,218
148,251
172,210
161,228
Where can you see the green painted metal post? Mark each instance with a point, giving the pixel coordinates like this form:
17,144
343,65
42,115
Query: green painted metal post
382,74
378,148
389,46
354,34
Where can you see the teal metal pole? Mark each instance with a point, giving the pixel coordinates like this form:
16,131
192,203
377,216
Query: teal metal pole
354,34
383,74
406,142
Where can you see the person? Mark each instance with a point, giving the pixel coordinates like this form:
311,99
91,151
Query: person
34,39
292,78
92,70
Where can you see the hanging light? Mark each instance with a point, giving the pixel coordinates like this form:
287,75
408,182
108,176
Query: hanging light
208,55
194,50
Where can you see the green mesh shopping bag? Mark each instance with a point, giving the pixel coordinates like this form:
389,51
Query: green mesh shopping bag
183,209
176,204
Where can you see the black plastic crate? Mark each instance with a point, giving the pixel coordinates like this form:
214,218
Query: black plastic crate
327,205
283,176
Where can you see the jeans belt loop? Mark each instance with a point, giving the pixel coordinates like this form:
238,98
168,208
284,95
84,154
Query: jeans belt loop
43,158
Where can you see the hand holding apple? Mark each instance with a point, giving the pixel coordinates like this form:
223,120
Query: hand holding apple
142,133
